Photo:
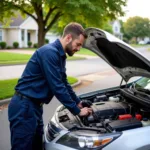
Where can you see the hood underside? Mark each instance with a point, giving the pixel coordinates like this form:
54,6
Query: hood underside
122,57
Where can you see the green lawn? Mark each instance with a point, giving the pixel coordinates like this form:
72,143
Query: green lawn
30,49
72,80
84,51
137,45
8,58
148,49
75,58
7,87
12,58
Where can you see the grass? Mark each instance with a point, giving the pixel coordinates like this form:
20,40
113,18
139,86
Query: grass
7,87
30,49
84,51
72,80
148,49
12,58
75,58
8,58
137,45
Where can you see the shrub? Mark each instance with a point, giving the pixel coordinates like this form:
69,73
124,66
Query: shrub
3,45
125,40
29,44
133,41
35,45
8,47
16,44
46,41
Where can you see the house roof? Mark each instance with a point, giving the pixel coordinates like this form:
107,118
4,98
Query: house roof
16,21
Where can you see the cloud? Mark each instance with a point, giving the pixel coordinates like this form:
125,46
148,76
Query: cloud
137,8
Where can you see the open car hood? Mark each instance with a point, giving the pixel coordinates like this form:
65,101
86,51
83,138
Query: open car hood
122,57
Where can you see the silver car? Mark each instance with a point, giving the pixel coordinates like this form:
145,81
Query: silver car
121,115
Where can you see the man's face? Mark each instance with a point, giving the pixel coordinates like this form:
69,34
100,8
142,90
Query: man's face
75,45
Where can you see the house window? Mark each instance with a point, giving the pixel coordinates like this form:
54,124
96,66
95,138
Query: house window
0,35
116,29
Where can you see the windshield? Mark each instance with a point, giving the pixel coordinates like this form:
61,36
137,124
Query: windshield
143,83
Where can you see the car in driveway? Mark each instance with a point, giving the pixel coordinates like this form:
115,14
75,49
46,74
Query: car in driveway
121,115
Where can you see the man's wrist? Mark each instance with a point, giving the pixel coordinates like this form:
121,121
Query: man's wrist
75,110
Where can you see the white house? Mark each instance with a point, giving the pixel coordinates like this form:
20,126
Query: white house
22,30
116,27
51,37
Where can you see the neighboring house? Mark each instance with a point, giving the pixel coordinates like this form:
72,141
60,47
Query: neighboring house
51,37
21,30
116,27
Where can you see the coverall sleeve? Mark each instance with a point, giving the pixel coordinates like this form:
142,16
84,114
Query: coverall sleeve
52,73
70,90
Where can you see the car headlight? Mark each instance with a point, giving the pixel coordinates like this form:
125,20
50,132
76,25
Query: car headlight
73,140
51,131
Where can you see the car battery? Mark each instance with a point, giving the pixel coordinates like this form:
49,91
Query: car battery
126,116
121,125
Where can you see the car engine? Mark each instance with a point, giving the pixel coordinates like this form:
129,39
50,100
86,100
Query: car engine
112,112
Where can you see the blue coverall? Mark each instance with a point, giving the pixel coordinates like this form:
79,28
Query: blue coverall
43,77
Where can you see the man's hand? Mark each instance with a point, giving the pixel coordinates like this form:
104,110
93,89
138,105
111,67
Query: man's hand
85,111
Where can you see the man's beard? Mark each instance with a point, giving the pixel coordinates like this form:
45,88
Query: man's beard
69,49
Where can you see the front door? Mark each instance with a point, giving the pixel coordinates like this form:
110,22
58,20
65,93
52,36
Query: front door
29,37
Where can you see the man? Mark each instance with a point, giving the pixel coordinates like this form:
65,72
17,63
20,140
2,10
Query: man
43,78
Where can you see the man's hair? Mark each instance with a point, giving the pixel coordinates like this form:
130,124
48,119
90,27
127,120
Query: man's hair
75,29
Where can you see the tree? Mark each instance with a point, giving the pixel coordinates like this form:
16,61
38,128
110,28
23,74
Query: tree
137,27
5,13
55,14
107,27
126,36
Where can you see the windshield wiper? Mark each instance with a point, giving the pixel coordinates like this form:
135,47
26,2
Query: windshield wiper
143,90
140,91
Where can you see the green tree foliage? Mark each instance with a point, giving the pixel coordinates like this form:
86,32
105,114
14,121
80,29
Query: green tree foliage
137,27
6,12
55,14
107,27
126,36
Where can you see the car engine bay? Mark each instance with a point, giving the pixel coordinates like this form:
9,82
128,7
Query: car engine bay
113,111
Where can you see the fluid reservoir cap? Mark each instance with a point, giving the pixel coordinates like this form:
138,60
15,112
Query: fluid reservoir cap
145,119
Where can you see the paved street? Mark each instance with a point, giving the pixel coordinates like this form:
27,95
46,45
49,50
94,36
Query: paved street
74,68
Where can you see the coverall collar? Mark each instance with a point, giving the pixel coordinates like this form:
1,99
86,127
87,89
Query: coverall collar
61,50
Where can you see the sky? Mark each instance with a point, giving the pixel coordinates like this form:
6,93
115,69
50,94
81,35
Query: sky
137,8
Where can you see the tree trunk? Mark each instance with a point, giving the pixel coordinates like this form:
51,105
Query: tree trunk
41,34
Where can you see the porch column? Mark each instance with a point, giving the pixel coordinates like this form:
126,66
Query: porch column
36,35
19,38
25,38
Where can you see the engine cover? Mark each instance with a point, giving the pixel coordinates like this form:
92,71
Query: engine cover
105,110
